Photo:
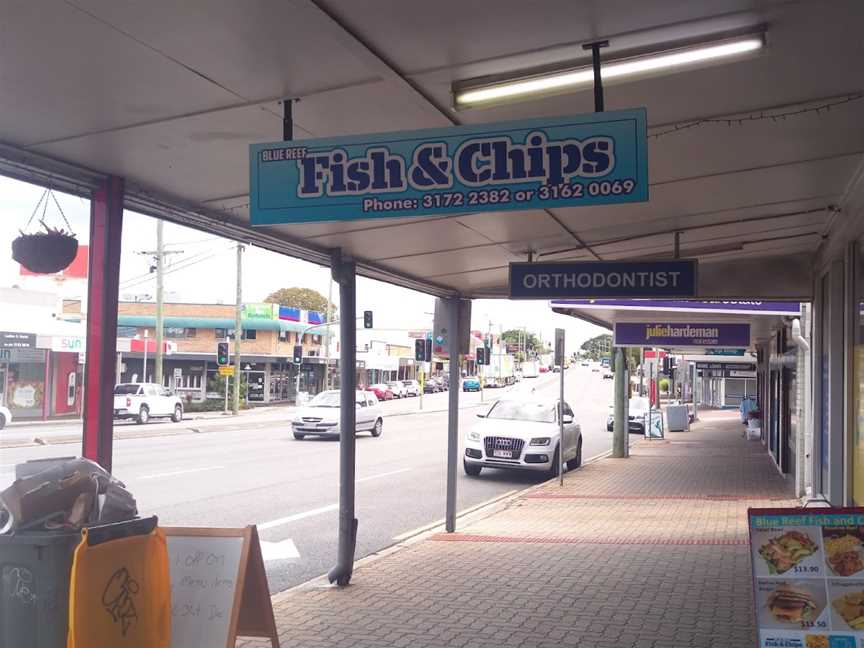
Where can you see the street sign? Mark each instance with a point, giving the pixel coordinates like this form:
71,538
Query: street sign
672,278
559,347
574,160
685,306
681,334
226,371
178,373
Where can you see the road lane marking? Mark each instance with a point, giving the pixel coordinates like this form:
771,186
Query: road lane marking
323,509
297,516
284,550
386,474
181,472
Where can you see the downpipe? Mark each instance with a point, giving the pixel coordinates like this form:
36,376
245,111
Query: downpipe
804,444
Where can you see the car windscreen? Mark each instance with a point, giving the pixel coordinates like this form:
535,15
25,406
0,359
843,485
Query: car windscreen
522,411
326,399
125,390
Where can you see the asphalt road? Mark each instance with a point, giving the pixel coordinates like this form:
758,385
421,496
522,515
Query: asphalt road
252,471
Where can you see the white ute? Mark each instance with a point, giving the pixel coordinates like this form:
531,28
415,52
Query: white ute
143,401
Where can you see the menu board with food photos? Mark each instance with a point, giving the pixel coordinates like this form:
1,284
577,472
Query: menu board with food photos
808,577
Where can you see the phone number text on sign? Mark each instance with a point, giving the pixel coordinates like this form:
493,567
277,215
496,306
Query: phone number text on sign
502,196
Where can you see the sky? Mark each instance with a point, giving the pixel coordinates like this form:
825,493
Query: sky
203,269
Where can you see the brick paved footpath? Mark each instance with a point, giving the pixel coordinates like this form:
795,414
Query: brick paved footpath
645,552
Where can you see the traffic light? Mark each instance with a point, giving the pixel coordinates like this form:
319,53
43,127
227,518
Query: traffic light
481,355
367,319
222,356
419,349
428,350
298,354
667,365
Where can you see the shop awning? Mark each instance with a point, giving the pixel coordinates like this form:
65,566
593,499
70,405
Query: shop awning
213,323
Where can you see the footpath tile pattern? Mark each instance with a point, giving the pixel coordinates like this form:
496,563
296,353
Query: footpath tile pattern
647,552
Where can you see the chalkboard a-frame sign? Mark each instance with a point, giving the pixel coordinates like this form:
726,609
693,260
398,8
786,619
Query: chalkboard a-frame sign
219,588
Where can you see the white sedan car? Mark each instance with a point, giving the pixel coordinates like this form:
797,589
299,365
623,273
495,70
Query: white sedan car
5,416
321,416
523,435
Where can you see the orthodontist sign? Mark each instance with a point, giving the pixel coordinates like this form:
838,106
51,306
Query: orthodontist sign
593,159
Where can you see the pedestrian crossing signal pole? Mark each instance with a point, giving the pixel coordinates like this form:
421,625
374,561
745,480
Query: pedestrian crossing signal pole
559,360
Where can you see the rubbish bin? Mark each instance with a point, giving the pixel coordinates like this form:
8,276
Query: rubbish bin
35,569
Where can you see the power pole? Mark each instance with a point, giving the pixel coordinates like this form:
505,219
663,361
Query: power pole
238,331
160,299
327,338
159,255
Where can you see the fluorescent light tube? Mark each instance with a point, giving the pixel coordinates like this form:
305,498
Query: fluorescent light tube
573,79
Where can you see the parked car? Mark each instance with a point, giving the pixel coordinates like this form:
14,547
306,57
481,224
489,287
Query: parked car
431,386
143,401
491,382
382,391
556,369
523,435
471,383
585,363
638,410
444,382
607,374
5,416
412,387
398,388
321,416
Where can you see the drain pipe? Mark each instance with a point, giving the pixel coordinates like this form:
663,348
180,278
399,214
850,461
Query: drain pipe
803,450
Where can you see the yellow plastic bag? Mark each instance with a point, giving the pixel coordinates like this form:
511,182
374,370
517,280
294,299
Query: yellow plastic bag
120,593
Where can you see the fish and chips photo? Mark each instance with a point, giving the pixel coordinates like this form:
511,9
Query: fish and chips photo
785,551
816,641
792,604
844,549
850,607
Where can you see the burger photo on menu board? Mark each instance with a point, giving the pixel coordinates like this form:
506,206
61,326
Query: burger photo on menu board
790,605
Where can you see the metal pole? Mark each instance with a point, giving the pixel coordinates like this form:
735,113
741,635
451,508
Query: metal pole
327,338
595,63
641,371
561,424
144,378
227,378
620,426
693,391
452,413
344,273
160,327
238,331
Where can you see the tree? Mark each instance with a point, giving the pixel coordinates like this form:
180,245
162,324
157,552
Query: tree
598,346
303,298
518,337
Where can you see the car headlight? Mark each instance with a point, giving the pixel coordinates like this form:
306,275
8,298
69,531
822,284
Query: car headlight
540,441
473,435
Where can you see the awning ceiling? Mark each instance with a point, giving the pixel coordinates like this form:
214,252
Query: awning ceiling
170,94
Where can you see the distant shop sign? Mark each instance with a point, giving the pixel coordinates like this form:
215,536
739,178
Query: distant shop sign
681,334
260,311
603,279
686,305
67,344
566,161
13,340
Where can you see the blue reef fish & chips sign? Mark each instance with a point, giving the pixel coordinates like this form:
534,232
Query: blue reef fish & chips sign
592,159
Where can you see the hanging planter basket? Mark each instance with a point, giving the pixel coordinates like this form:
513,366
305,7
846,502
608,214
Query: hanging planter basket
48,251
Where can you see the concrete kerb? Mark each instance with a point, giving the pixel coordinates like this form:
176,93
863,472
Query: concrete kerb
474,513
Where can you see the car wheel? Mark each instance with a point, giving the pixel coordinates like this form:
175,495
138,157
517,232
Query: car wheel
576,461
178,414
143,415
2,421
472,470
553,471
378,429
299,436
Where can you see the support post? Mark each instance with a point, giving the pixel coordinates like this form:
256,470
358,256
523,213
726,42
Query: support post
561,423
452,413
598,80
620,428
344,273
103,283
